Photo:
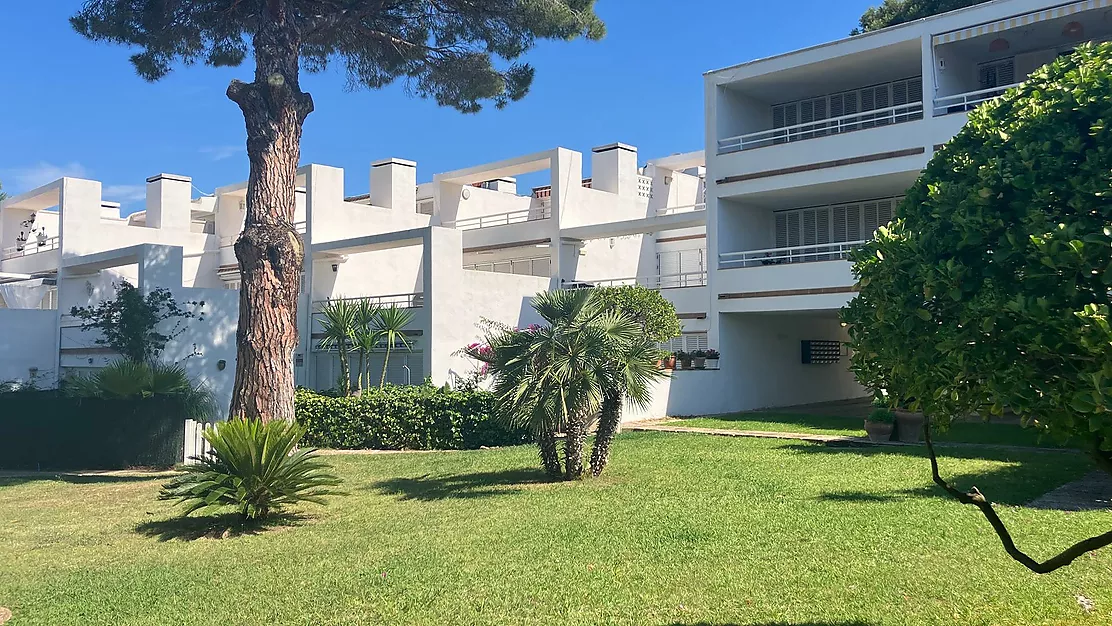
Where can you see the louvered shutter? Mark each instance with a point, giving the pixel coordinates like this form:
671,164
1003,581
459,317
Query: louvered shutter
899,99
806,116
820,114
839,224
822,229
868,103
837,109
851,108
668,263
809,227
853,222
870,218
915,97
691,261
791,118
778,122
781,230
793,229
882,100
884,211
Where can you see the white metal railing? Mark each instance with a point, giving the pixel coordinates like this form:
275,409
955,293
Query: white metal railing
672,210
502,219
968,101
533,266
791,254
29,248
300,227
400,300
668,281
822,128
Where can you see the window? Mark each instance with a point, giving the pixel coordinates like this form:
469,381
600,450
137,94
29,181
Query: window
908,91
999,73
686,342
832,224
425,207
675,262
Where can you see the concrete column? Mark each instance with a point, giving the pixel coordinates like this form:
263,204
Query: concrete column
169,201
614,169
394,184
79,208
567,180
442,268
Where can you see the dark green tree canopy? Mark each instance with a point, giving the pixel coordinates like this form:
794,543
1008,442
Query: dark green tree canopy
443,49
893,12
652,311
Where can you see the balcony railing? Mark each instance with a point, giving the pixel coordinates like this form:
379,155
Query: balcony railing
502,219
399,300
968,101
669,281
791,254
672,210
822,128
534,266
29,248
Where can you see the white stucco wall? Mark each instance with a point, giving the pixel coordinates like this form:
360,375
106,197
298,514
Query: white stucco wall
27,340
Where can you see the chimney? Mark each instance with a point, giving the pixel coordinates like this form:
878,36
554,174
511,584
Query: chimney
169,201
614,169
394,184
505,184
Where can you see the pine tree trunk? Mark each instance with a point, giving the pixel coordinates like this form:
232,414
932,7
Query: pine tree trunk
575,437
550,455
270,251
610,420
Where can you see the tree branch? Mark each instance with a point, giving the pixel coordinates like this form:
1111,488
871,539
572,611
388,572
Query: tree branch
977,499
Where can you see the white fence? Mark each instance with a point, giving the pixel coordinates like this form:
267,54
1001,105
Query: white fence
822,128
195,443
667,281
794,254
502,219
29,248
968,101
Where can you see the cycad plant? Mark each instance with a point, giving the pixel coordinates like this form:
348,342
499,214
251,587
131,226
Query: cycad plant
391,327
126,379
255,468
337,322
563,375
366,338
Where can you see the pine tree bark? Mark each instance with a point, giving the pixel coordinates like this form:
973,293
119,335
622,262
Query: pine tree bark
610,420
550,455
270,251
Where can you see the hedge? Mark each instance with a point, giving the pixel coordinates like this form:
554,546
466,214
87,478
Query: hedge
45,430
419,417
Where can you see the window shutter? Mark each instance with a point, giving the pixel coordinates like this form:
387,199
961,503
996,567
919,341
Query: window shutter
791,118
793,228
853,222
806,115
781,230
778,116
884,211
899,98
870,218
668,263
882,101
840,224
820,114
868,103
809,227
822,225
1005,72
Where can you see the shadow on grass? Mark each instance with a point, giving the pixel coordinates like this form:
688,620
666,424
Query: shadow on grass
851,425
1023,477
223,526
11,479
854,623
475,485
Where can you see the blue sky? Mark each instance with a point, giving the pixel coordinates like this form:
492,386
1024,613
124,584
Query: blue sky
72,107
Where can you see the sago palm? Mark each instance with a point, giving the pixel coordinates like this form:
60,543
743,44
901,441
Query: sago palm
337,322
391,327
126,379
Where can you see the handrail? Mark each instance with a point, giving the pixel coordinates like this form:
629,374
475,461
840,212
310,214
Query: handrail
969,100
821,128
400,300
501,219
672,210
663,281
29,248
793,254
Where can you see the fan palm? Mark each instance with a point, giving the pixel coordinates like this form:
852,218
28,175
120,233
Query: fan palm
366,338
337,324
391,327
123,379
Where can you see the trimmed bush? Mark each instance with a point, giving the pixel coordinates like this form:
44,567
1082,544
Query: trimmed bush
46,430
418,417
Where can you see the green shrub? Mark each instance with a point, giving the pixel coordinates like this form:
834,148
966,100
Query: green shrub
881,415
255,468
124,379
417,417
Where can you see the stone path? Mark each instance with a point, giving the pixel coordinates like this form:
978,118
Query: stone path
1093,492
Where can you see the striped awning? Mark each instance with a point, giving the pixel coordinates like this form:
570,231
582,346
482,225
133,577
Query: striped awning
1021,20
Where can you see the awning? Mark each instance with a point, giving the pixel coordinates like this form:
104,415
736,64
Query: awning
1021,20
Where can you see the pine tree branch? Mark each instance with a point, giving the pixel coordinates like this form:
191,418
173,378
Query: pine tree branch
977,499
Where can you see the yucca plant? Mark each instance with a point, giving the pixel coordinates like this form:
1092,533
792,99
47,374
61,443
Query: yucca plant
337,325
391,327
255,468
366,338
125,379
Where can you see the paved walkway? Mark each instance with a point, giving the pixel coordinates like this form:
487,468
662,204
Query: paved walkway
1093,492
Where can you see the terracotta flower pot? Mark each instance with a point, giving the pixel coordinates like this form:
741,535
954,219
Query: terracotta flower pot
879,431
670,363
909,426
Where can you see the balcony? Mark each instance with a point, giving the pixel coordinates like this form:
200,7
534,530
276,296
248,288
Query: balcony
666,281
400,300
963,102
787,255
690,208
534,214
532,266
27,249
833,126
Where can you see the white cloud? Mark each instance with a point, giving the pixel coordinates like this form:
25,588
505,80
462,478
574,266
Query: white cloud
219,153
20,179
124,194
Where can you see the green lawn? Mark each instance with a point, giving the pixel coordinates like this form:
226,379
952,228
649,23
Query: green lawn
684,530
965,432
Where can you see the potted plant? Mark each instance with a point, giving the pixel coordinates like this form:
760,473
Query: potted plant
670,361
712,359
683,360
699,357
909,425
880,423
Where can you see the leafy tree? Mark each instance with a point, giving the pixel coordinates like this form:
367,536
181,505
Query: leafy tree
652,311
442,49
390,326
893,12
338,330
129,323
560,376
991,289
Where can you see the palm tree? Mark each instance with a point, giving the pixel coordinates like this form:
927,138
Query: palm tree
562,375
366,337
124,378
390,326
338,330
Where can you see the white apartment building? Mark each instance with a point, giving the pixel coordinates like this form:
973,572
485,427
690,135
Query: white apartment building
464,247
809,151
